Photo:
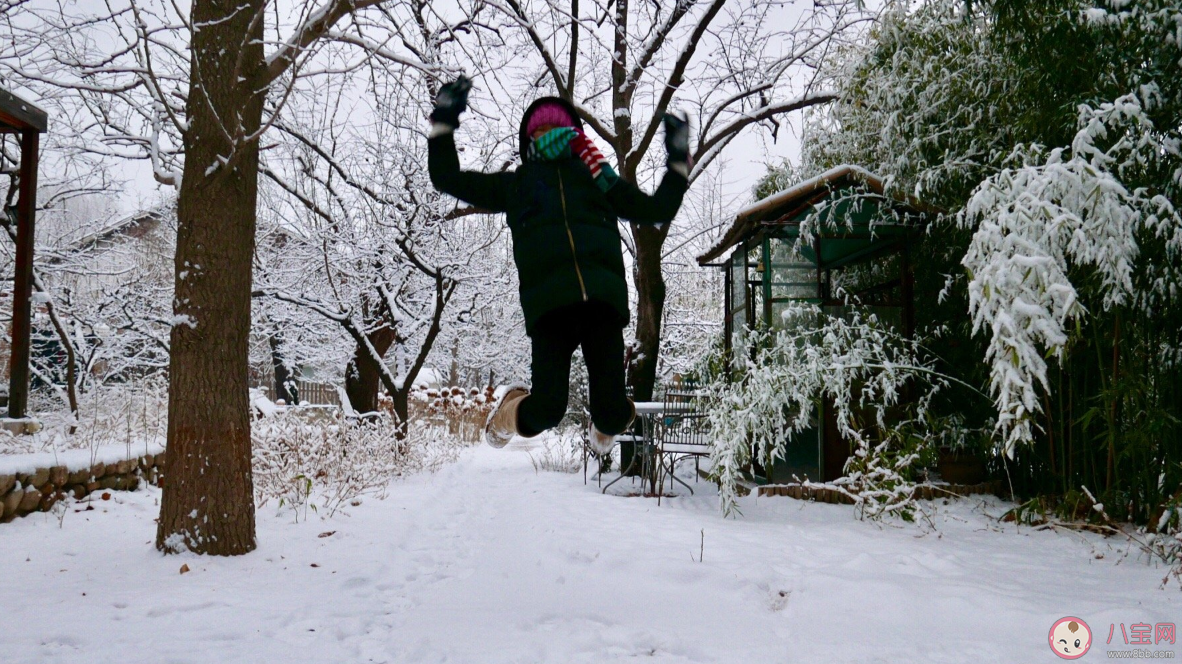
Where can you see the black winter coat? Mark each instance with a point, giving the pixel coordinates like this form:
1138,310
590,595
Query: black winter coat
566,238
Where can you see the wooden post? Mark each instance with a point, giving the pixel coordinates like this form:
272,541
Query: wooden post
908,287
18,382
822,292
767,282
728,314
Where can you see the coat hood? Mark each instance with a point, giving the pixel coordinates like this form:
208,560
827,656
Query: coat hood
523,140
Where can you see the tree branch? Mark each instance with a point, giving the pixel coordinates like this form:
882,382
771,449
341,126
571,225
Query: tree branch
316,26
676,77
551,65
759,115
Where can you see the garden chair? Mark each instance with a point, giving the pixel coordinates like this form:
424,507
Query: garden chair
683,433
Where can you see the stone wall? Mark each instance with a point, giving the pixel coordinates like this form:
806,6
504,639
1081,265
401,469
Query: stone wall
37,490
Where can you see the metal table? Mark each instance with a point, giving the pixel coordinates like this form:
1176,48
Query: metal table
648,417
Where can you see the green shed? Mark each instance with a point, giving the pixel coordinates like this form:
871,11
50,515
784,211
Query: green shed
856,240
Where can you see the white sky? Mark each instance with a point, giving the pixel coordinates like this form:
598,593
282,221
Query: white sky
741,165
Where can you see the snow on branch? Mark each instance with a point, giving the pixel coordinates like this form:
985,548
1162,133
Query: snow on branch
707,148
680,9
565,87
861,367
379,50
315,26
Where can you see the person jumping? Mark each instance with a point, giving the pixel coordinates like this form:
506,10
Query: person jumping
562,206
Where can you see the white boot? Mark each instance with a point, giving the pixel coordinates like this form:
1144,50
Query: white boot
501,425
601,443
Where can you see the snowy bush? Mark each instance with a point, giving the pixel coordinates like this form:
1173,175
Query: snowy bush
781,376
560,453
131,414
302,459
1166,540
301,463
463,411
1059,178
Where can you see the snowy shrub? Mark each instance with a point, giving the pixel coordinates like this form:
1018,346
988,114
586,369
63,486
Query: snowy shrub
781,376
131,414
1160,541
301,463
561,453
463,411
1166,540
1059,178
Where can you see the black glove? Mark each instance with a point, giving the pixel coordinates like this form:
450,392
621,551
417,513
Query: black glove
451,101
677,138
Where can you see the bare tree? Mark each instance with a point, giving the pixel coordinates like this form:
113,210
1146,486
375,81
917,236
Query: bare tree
367,242
71,182
194,93
354,201
623,64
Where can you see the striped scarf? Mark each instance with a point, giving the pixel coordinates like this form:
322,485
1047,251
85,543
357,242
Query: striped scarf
552,144
568,141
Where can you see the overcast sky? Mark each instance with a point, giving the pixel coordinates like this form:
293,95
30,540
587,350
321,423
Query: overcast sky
742,163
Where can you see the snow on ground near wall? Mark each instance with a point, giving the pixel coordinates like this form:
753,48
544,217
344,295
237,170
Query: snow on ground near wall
487,561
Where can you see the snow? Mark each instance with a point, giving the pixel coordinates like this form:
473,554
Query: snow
491,561
265,406
1035,223
183,319
77,459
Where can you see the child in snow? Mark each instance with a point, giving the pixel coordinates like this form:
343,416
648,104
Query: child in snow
562,207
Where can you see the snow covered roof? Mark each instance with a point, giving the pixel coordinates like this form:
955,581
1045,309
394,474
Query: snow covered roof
20,114
796,199
121,226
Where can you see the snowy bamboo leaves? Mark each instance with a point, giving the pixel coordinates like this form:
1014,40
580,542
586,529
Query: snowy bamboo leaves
780,376
1044,217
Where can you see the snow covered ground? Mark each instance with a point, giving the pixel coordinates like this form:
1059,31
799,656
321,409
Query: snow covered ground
487,561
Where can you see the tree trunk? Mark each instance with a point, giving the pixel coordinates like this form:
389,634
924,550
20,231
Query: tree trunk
208,502
285,385
362,376
650,307
71,363
401,399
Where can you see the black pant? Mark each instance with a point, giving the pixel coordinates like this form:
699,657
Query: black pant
596,327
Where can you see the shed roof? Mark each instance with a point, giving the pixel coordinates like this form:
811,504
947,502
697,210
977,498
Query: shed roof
18,114
858,237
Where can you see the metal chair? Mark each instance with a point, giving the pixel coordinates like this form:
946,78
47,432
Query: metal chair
683,433
643,461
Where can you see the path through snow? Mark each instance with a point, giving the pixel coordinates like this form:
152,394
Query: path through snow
487,561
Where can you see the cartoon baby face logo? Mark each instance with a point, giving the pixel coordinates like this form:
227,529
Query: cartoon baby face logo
1070,638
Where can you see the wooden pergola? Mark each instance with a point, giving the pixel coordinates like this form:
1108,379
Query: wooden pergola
18,116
